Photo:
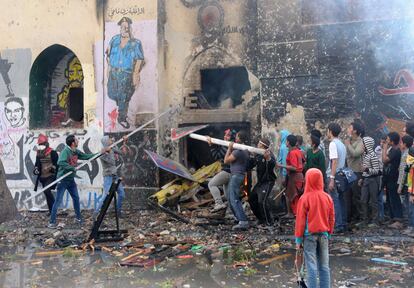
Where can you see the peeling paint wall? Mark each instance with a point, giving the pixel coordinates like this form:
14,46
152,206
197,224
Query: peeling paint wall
304,67
200,35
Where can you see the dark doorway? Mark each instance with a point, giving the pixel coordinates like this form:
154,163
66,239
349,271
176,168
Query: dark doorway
75,104
224,84
197,153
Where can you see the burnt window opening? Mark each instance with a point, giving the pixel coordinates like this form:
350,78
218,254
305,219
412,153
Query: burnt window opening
197,154
56,89
224,87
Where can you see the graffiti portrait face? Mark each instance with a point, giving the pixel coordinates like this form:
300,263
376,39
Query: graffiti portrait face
125,29
14,111
75,72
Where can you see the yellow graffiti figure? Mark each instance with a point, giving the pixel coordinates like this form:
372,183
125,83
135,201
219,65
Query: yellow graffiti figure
74,74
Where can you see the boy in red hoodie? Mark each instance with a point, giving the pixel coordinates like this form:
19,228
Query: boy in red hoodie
315,221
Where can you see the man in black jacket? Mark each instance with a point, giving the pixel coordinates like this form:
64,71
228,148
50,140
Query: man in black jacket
266,177
46,168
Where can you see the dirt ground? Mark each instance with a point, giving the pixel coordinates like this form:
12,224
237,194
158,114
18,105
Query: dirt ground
160,251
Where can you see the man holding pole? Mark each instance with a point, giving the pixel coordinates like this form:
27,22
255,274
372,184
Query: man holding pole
238,160
110,173
67,162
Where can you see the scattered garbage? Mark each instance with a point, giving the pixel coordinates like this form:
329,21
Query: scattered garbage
381,260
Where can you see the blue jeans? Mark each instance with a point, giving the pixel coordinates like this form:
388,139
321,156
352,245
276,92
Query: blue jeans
340,208
70,185
234,194
316,251
106,186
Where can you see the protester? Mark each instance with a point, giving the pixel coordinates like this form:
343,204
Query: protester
46,168
68,160
370,183
405,144
337,157
409,128
294,166
283,152
315,222
391,159
317,133
354,151
110,174
222,178
410,189
265,165
238,160
314,156
378,151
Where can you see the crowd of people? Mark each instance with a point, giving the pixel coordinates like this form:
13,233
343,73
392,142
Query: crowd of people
368,183
352,184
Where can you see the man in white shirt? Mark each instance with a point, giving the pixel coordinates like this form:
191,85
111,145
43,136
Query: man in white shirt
337,157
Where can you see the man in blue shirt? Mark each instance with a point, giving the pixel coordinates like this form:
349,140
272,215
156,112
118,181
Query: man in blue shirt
125,59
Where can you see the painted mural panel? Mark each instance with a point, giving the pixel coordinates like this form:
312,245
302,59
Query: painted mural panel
130,79
14,73
135,166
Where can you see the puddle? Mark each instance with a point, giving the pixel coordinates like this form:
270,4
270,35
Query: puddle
20,267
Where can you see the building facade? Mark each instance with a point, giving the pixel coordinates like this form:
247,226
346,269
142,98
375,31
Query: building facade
97,68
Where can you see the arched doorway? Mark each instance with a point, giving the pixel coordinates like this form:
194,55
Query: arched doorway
56,89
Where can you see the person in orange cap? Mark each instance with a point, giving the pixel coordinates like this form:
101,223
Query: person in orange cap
45,168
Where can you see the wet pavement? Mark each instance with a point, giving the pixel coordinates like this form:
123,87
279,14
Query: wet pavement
189,256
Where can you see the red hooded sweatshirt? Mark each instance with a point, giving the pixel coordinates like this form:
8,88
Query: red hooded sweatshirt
315,210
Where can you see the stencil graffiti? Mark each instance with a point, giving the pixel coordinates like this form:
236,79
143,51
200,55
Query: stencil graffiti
5,66
14,111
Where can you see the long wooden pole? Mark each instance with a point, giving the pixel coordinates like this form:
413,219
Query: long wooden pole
97,155
226,143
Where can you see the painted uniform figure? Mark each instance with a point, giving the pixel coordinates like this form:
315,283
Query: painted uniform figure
125,58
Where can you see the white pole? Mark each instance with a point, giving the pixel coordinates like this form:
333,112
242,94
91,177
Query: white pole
226,143
96,156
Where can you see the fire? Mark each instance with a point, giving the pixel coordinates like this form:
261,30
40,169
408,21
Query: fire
246,186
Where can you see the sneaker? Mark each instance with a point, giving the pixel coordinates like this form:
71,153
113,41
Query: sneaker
52,226
409,231
373,225
288,216
361,224
243,225
124,123
218,207
80,222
